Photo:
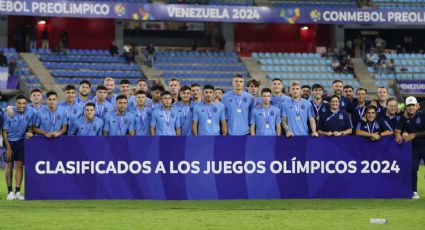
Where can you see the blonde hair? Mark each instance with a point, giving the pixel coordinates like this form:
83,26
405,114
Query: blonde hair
108,79
295,83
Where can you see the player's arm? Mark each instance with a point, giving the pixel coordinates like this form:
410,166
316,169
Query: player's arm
224,129
313,126
42,132
62,131
9,152
178,132
195,128
252,130
152,128
131,133
286,127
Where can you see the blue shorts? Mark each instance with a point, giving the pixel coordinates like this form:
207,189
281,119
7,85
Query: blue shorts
18,151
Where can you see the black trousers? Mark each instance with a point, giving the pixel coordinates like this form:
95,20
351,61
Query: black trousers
418,154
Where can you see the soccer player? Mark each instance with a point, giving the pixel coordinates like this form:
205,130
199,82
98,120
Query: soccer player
102,106
36,103
15,129
265,119
196,93
174,86
73,110
185,110
296,112
142,84
84,96
165,121
357,108
238,105
209,116
348,93
373,128
392,115
382,97
89,124
156,91
218,94
319,105
278,97
125,89
51,122
142,114
334,122
413,130
121,122
109,83
305,92
253,86
337,88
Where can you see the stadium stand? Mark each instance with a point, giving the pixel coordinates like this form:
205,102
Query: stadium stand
216,68
399,4
316,3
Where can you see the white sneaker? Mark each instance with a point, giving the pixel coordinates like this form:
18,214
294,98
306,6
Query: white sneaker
415,195
18,196
11,196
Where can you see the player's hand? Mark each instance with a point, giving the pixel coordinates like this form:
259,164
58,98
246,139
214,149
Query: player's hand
48,135
56,134
329,134
314,134
375,137
410,137
363,119
9,155
28,135
398,139
404,135
289,134
10,112
337,134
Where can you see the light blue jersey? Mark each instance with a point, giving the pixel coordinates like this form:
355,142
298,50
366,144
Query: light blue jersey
186,117
82,127
142,120
265,120
72,111
209,118
82,102
49,121
297,115
279,100
238,109
34,109
165,122
103,108
118,125
18,125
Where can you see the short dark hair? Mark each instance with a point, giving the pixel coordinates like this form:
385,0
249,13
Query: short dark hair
334,96
369,107
348,86
70,87
317,86
208,87
222,90
85,82
238,76
391,99
125,82
184,88
277,79
165,93
119,97
101,87
174,79
253,82
337,81
140,92
158,87
90,104
144,80
383,87
195,85
305,86
266,90
35,91
360,89
50,93
19,97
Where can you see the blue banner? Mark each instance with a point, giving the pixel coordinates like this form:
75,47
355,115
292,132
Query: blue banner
199,168
181,12
411,86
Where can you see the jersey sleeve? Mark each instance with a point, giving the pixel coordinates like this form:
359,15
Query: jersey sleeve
278,119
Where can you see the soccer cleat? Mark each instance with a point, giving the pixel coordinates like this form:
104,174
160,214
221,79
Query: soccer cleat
10,196
415,195
18,196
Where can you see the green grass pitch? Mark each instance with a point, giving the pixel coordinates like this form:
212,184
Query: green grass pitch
225,214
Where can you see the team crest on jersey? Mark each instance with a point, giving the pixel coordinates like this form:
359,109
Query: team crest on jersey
343,103
172,115
302,106
376,126
272,113
215,109
323,110
418,120
75,111
58,117
398,118
341,117
125,121
113,121
94,127
245,99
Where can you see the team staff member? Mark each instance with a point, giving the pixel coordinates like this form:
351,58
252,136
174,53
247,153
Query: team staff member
319,105
253,86
84,91
413,129
73,110
142,114
296,112
382,98
335,122
51,122
306,92
265,119
238,105
391,114
278,97
373,128
357,109
185,110
337,86
209,116
15,129
121,122
89,124
165,121
103,107
348,93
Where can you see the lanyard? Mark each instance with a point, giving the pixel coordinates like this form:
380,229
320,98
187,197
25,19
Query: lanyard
297,108
141,114
167,118
99,112
21,120
121,124
88,128
209,113
331,116
317,108
185,111
238,100
266,114
361,111
369,129
52,121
